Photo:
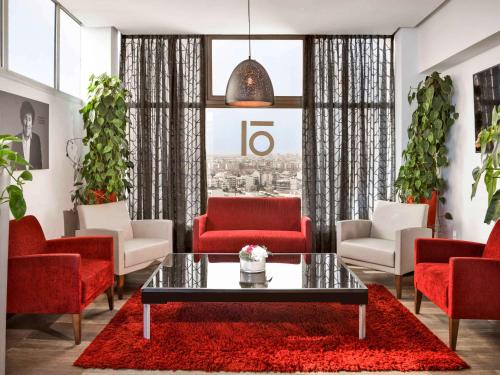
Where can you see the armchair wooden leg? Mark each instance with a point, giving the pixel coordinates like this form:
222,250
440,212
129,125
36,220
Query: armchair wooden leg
121,283
77,327
453,332
110,294
398,279
418,300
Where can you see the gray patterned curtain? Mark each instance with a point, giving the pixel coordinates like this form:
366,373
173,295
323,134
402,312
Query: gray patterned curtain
165,75
348,130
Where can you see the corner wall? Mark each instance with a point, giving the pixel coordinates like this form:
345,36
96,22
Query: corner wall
460,39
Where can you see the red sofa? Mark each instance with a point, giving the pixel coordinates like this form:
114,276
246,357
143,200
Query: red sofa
461,277
231,223
59,276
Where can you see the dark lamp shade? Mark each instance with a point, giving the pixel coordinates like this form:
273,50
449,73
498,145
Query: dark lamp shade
249,86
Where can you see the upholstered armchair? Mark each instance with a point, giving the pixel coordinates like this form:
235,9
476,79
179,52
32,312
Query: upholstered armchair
137,243
59,276
384,243
460,277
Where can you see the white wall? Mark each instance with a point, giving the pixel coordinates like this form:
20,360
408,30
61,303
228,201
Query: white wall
454,28
405,77
49,192
100,53
460,39
468,214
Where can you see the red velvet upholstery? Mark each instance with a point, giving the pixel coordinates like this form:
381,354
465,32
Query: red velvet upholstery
231,223
57,276
462,278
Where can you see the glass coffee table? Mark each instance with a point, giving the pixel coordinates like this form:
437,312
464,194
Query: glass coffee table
288,278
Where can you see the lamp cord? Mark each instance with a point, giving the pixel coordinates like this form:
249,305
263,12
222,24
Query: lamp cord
249,45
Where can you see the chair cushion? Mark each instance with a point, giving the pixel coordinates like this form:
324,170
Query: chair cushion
97,276
389,217
492,248
281,214
112,216
140,250
231,241
432,279
370,250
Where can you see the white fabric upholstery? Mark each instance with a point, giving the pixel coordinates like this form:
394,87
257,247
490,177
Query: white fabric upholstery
136,243
372,250
108,215
385,243
389,217
140,250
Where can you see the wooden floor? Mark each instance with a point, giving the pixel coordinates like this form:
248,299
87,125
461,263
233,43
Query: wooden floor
43,345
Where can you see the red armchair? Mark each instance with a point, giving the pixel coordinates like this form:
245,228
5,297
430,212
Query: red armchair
59,276
231,223
461,277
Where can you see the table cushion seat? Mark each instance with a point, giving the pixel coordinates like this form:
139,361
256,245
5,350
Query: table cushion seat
141,250
432,279
96,274
371,250
231,241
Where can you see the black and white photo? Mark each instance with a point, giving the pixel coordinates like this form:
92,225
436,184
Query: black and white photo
28,120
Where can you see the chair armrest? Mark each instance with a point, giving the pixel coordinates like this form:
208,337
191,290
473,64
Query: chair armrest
474,288
405,248
45,283
347,229
99,247
118,244
440,250
306,230
152,229
199,227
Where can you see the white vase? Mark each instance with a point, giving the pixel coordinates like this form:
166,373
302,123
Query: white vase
253,266
4,255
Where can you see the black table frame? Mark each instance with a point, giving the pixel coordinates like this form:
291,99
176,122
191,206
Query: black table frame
351,296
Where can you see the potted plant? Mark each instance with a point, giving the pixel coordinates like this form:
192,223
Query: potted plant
253,258
104,169
489,142
11,197
419,178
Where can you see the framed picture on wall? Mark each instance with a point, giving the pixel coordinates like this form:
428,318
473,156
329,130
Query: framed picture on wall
27,119
486,96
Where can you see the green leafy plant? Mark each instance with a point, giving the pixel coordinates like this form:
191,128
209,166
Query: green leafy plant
104,171
426,153
13,193
489,141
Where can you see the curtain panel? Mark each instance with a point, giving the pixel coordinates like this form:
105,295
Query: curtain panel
165,75
348,130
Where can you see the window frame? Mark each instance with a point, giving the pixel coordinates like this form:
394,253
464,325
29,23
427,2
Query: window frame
217,101
4,49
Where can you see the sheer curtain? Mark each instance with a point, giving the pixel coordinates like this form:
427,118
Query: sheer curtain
165,75
348,130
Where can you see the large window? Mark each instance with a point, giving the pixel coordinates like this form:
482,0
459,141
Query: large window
32,38
255,152
69,55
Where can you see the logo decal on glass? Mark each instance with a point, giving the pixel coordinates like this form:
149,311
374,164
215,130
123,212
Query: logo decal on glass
254,136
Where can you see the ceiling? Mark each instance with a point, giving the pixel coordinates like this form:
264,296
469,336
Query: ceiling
268,16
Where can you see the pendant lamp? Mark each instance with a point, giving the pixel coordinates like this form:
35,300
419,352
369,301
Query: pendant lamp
249,85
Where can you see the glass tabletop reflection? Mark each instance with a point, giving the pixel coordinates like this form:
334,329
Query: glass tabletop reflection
283,272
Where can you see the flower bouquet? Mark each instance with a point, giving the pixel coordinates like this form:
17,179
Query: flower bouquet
253,258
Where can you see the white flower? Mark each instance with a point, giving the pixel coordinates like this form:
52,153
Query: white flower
259,253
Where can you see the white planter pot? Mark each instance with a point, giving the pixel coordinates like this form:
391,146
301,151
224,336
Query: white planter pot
4,255
252,267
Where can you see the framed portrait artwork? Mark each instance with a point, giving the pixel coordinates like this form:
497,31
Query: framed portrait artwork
27,119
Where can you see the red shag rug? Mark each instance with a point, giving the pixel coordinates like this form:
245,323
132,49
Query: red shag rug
277,337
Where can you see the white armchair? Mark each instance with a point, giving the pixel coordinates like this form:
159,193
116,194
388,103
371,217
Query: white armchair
385,243
137,243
